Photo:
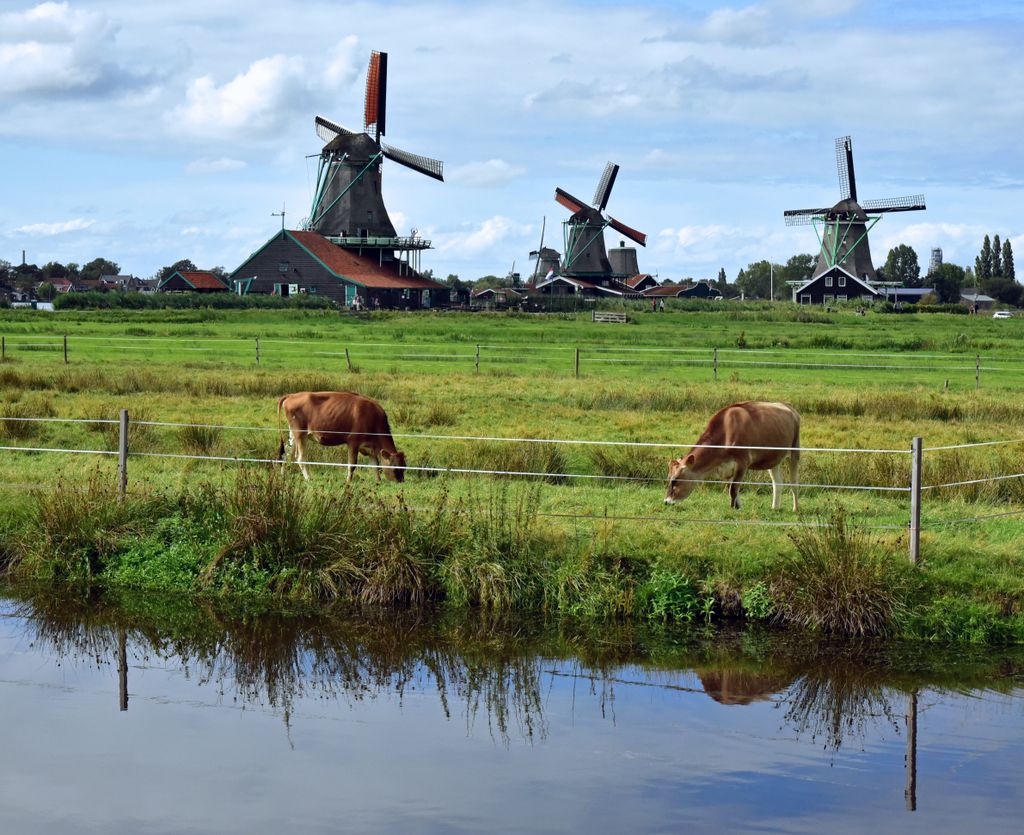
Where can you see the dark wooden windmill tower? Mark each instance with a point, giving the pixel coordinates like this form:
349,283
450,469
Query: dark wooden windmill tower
585,253
843,230
348,207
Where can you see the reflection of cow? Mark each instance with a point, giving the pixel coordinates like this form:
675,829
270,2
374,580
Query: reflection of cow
722,451
341,417
737,687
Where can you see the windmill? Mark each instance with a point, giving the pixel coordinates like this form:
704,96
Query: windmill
843,230
585,254
347,202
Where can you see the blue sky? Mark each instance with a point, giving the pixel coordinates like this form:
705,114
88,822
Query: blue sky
147,132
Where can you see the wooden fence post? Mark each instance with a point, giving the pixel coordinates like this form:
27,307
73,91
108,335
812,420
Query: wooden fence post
977,371
715,363
65,349
257,350
577,363
122,456
915,499
478,358
3,347
348,360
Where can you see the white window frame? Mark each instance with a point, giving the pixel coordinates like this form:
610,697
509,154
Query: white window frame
829,297
828,281
841,298
805,298
842,281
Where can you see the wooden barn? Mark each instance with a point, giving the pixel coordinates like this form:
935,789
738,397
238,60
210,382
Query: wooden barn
295,261
690,290
836,284
192,281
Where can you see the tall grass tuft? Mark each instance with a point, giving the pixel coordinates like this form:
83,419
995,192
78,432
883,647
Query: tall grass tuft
198,439
13,428
840,581
635,463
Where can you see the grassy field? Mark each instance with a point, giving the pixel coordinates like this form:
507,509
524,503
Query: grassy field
596,546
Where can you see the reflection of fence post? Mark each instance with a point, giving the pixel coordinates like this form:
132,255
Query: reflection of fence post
715,363
3,347
257,350
910,792
122,670
348,360
477,357
577,363
915,499
977,371
65,349
122,456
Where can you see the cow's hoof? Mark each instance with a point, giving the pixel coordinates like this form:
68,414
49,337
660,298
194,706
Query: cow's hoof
670,501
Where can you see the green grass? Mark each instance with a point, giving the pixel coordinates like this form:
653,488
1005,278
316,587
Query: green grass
594,547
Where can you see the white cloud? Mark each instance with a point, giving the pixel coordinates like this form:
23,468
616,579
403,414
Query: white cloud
52,48
259,101
344,63
492,172
207,165
50,229
486,236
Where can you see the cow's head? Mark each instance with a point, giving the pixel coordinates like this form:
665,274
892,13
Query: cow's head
681,479
394,464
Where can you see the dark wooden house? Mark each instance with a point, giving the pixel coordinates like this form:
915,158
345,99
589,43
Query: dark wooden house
192,281
696,290
834,285
294,262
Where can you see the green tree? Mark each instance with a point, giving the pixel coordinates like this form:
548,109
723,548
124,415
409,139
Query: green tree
755,280
722,283
902,266
947,281
798,268
1004,289
99,267
997,257
184,265
46,292
983,263
1008,270
55,269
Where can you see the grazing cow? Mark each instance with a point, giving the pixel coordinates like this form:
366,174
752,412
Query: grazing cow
335,418
722,450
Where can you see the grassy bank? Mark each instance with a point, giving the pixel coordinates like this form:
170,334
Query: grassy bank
595,547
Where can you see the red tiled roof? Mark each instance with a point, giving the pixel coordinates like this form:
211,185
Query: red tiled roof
634,280
362,269
665,289
203,280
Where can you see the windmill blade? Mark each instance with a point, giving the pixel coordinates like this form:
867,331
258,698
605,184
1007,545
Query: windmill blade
911,203
628,231
540,249
604,186
375,108
844,164
328,131
803,217
570,202
425,165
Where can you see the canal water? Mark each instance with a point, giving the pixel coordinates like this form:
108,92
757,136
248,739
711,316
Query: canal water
159,717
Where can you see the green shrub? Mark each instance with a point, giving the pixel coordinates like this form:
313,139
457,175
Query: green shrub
669,596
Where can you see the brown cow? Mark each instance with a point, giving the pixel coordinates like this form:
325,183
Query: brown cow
341,417
741,425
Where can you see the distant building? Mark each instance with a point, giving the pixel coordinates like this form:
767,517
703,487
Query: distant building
936,261
836,284
689,290
192,281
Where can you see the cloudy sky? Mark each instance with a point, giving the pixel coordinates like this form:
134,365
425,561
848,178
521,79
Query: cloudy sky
147,132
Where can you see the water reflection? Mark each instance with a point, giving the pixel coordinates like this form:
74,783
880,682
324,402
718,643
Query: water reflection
495,671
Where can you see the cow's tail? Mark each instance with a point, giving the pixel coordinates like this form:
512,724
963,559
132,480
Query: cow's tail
280,429
794,462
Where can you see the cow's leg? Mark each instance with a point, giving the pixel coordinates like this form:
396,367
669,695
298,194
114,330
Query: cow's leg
300,452
734,487
776,474
794,476
376,461
353,458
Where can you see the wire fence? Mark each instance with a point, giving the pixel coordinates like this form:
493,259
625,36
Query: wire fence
565,358
914,488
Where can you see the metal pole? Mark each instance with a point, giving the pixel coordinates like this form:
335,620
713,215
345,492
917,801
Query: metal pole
915,500
910,792
65,349
477,357
577,363
257,350
716,363
122,456
348,360
977,371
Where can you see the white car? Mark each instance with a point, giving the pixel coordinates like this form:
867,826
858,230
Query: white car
1002,314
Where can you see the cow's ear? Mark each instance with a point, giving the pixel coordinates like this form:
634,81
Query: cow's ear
688,461
385,455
